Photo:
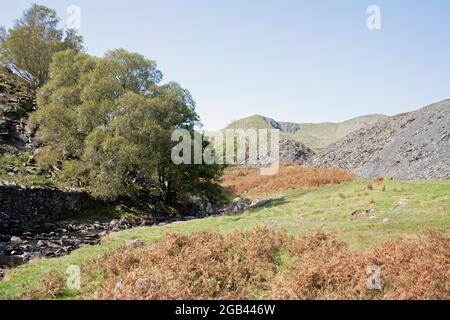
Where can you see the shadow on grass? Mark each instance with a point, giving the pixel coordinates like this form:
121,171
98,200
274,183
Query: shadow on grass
272,204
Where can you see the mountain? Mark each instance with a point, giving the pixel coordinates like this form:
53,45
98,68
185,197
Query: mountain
314,135
408,146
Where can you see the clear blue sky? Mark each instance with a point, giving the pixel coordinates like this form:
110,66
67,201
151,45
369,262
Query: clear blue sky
300,61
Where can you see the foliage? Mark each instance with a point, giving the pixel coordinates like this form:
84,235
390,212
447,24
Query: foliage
264,263
28,47
108,125
298,212
250,181
18,163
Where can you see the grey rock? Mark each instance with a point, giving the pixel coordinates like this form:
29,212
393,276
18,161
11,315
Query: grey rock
259,203
239,205
290,151
15,239
134,243
52,245
26,205
408,146
41,243
401,204
16,102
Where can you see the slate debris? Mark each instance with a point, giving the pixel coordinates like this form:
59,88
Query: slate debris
408,146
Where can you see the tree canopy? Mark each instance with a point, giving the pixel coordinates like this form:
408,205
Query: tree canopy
107,123
28,47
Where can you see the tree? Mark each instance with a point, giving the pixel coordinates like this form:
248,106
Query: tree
29,46
109,123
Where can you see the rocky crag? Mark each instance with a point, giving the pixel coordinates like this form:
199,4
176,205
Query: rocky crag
16,102
290,151
408,146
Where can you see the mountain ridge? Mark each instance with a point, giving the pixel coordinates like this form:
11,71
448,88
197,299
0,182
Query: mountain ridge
316,136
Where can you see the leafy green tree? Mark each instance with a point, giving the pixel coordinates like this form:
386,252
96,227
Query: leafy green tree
109,124
29,46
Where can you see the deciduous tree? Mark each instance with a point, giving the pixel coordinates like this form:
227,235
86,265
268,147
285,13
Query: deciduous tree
28,47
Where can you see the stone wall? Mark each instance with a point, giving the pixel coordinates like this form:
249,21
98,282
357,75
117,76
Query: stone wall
22,208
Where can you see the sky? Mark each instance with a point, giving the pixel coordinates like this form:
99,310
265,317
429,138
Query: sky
297,61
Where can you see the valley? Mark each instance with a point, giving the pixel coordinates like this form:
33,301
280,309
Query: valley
363,214
110,189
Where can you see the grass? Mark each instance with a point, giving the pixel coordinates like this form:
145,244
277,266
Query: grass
21,177
426,205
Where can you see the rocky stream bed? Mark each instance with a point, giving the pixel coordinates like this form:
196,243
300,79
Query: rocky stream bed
50,240
58,239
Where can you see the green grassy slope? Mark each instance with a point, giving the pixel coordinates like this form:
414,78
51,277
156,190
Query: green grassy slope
425,205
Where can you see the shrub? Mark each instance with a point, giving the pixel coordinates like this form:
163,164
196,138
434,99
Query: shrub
204,265
249,180
51,286
263,263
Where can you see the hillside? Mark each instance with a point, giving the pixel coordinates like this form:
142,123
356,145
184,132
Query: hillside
363,218
314,135
413,145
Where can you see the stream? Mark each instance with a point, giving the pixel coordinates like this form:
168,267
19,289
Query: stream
58,239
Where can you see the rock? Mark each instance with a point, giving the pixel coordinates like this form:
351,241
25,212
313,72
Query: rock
238,205
41,244
199,205
401,204
58,239
408,146
134,243
24,206
290,151
16,102
52,245
269,223
33,170
15,239
103,233
209,208
118,286
365,213
385,220
259,203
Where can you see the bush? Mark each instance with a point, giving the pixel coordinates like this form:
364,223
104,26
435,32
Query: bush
245,180
264,263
